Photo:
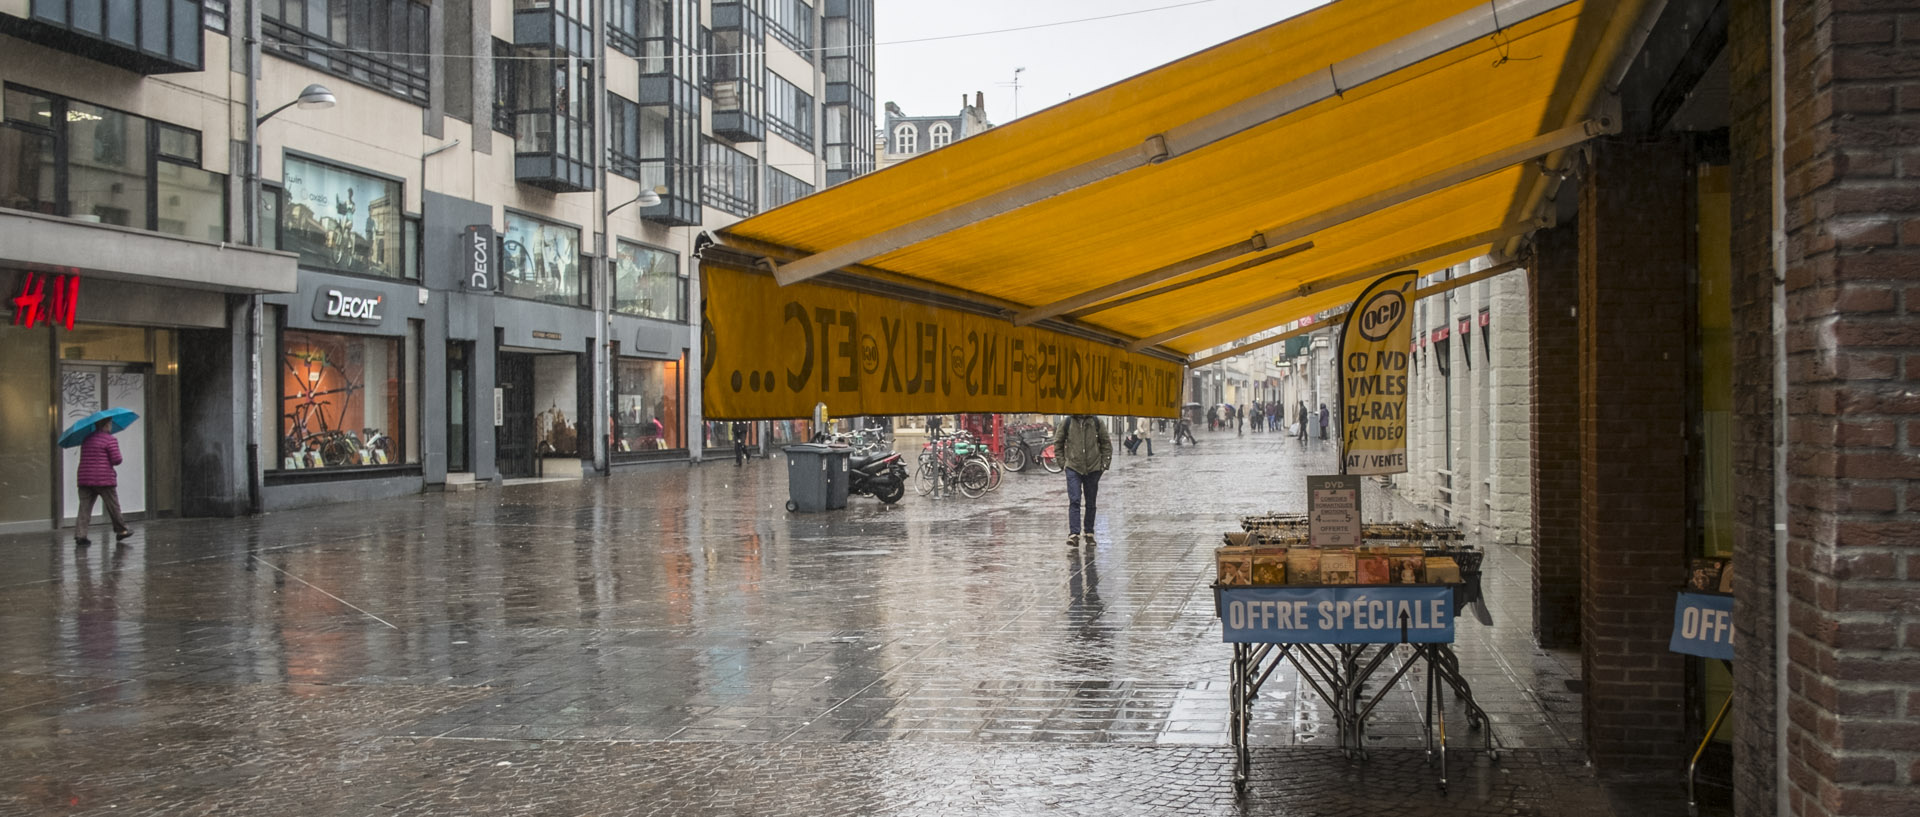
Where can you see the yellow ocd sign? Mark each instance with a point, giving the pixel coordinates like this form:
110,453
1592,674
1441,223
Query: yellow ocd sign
1373,377
774,352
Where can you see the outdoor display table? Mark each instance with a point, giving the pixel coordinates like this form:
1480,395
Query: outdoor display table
1337,637
1703,628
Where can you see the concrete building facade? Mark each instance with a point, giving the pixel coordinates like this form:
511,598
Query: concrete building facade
477,264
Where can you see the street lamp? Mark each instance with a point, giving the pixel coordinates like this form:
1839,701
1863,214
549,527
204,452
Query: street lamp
313,97
647,198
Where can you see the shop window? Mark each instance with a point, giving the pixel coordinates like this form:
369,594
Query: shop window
939,136
647,283
382,44
541,261
647,405
340,220
343,401
66,157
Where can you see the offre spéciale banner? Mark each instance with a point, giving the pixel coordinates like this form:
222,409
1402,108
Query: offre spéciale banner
773,352
1373,377
1337,615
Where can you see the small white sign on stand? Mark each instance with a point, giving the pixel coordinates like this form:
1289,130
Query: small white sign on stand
1333,511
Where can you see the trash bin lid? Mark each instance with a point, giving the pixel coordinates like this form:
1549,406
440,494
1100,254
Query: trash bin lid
807,448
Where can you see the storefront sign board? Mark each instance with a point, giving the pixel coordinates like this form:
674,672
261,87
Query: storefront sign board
773,352
1420,614
48,299
499,406
347,305
1333,511
1373,377
478,258
1703,625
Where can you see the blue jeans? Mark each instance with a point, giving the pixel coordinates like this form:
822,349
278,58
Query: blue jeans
1076,483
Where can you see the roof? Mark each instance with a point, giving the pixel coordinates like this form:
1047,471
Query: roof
1241,187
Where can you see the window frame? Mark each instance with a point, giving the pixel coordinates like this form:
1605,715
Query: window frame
584,288
790,111
401,216
680,305
906,139
939,135
377,56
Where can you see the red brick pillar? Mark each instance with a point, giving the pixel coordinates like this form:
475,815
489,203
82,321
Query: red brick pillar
1634,407
1852,204
1553,292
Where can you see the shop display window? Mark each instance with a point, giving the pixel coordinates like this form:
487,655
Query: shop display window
541,261
647,282
647,411
342,401
343,221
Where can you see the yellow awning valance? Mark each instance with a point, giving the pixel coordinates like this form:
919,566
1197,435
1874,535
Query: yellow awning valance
1238,188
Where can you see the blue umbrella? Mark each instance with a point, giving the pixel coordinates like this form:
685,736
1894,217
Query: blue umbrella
77,433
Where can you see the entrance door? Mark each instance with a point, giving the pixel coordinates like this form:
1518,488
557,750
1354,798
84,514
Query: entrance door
515,437
459,410
87,388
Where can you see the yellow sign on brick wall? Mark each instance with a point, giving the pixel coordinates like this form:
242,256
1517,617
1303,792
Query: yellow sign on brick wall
773,352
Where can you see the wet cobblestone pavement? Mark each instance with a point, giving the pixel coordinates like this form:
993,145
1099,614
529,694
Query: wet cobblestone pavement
671,641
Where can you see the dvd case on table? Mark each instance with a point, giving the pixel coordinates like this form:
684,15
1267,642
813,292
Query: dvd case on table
1269,565
1235,565
1336,566
1372,567
1303,566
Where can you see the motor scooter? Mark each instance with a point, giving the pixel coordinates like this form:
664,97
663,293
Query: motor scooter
881,475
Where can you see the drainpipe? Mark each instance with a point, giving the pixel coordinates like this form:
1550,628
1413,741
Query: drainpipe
251,218
603,283
1777,27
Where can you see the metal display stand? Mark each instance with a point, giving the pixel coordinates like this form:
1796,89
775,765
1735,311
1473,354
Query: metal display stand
1339,674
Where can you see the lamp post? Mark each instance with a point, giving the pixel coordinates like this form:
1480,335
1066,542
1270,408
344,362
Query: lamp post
312,97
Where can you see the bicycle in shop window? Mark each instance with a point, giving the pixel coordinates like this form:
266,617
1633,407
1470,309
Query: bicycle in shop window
312,439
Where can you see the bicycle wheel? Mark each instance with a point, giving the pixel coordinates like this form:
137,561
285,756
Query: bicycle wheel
924,478
339,451
1050,461
973,479
1015,457
993,471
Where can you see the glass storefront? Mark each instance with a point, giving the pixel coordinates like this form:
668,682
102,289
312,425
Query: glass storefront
647,282
344,401
337,219
51,377
541,261
647,409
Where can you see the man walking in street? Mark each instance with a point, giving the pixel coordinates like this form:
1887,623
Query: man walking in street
1086,451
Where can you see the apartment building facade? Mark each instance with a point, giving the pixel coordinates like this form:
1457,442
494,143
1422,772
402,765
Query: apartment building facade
477,263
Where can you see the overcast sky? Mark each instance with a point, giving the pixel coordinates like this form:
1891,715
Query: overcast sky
1079,55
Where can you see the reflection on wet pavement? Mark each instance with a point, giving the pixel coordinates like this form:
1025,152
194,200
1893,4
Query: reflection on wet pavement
670,640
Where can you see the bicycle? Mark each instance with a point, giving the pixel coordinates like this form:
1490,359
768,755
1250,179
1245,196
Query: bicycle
325,446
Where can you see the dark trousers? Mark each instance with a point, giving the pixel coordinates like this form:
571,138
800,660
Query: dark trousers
1076,484
109,494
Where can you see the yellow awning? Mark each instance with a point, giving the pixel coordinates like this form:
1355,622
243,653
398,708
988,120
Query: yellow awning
1385,133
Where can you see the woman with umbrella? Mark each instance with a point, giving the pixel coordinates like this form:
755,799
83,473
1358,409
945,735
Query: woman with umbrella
99,453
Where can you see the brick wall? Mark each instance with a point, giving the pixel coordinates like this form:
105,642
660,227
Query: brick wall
1634,407
1750,137
1853,417
1552,293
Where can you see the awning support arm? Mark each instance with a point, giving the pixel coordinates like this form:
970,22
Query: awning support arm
1248,264
1432,182
1425,292
1412,259
1316,86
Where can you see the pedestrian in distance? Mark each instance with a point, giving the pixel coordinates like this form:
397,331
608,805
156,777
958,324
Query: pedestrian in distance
1086,452
740,454
1324,417
1240,421
1137,437
1183,430
95,479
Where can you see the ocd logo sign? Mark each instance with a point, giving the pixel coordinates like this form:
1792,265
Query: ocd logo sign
1382,314
348,306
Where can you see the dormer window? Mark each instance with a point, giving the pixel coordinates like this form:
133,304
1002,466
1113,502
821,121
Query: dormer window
905,138
939,136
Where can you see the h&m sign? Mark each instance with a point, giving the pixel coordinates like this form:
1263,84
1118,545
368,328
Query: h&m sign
479,262
344,305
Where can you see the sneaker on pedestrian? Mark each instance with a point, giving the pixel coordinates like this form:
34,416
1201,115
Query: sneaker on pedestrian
81,541
1073,540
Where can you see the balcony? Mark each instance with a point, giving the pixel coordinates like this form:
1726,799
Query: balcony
142,36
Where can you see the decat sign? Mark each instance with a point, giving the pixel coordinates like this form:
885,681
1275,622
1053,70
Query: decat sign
342,305
477,257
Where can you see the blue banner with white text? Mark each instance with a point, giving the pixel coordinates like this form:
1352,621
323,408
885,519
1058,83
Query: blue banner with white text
1337,615
1703,625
